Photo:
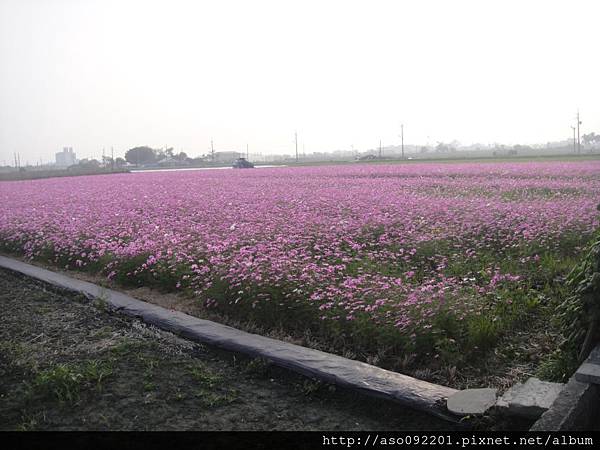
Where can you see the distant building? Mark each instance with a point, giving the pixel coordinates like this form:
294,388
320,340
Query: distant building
66,158
169,161
367,157
226,157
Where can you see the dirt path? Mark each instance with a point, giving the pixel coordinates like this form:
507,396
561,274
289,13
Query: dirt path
67,364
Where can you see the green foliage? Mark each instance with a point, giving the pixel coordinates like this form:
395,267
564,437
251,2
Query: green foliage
483,332
212,399
577,316
201,375
65,382
449,351
258,367
141,155
311,386
211,391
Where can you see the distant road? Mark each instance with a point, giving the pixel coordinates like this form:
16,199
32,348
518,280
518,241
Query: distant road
177,169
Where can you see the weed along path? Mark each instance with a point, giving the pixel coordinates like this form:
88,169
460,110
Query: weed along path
67,364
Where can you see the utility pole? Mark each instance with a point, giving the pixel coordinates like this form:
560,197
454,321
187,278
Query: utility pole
379,148
402,137
112,158
296,140
574,140
212,151
578,140
247,153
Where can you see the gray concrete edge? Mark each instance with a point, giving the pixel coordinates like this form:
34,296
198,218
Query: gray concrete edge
351,374
577,405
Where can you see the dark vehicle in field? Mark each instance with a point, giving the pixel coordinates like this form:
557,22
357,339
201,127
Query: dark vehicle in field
242,163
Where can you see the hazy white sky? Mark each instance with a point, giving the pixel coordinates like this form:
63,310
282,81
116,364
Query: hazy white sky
99,73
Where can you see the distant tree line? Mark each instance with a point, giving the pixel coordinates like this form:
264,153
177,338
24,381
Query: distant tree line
591,139
147,155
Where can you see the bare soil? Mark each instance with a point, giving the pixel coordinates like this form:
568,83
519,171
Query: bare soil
68,364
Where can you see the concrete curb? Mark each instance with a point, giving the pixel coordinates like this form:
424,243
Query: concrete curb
577,407
355,375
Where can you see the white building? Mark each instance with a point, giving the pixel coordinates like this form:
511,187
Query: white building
66,158
226,157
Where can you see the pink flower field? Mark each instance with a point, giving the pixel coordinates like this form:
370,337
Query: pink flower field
419,256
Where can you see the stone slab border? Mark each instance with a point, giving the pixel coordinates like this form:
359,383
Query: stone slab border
577,407
355,375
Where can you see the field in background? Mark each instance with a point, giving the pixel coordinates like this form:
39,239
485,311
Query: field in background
39,173
414,265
